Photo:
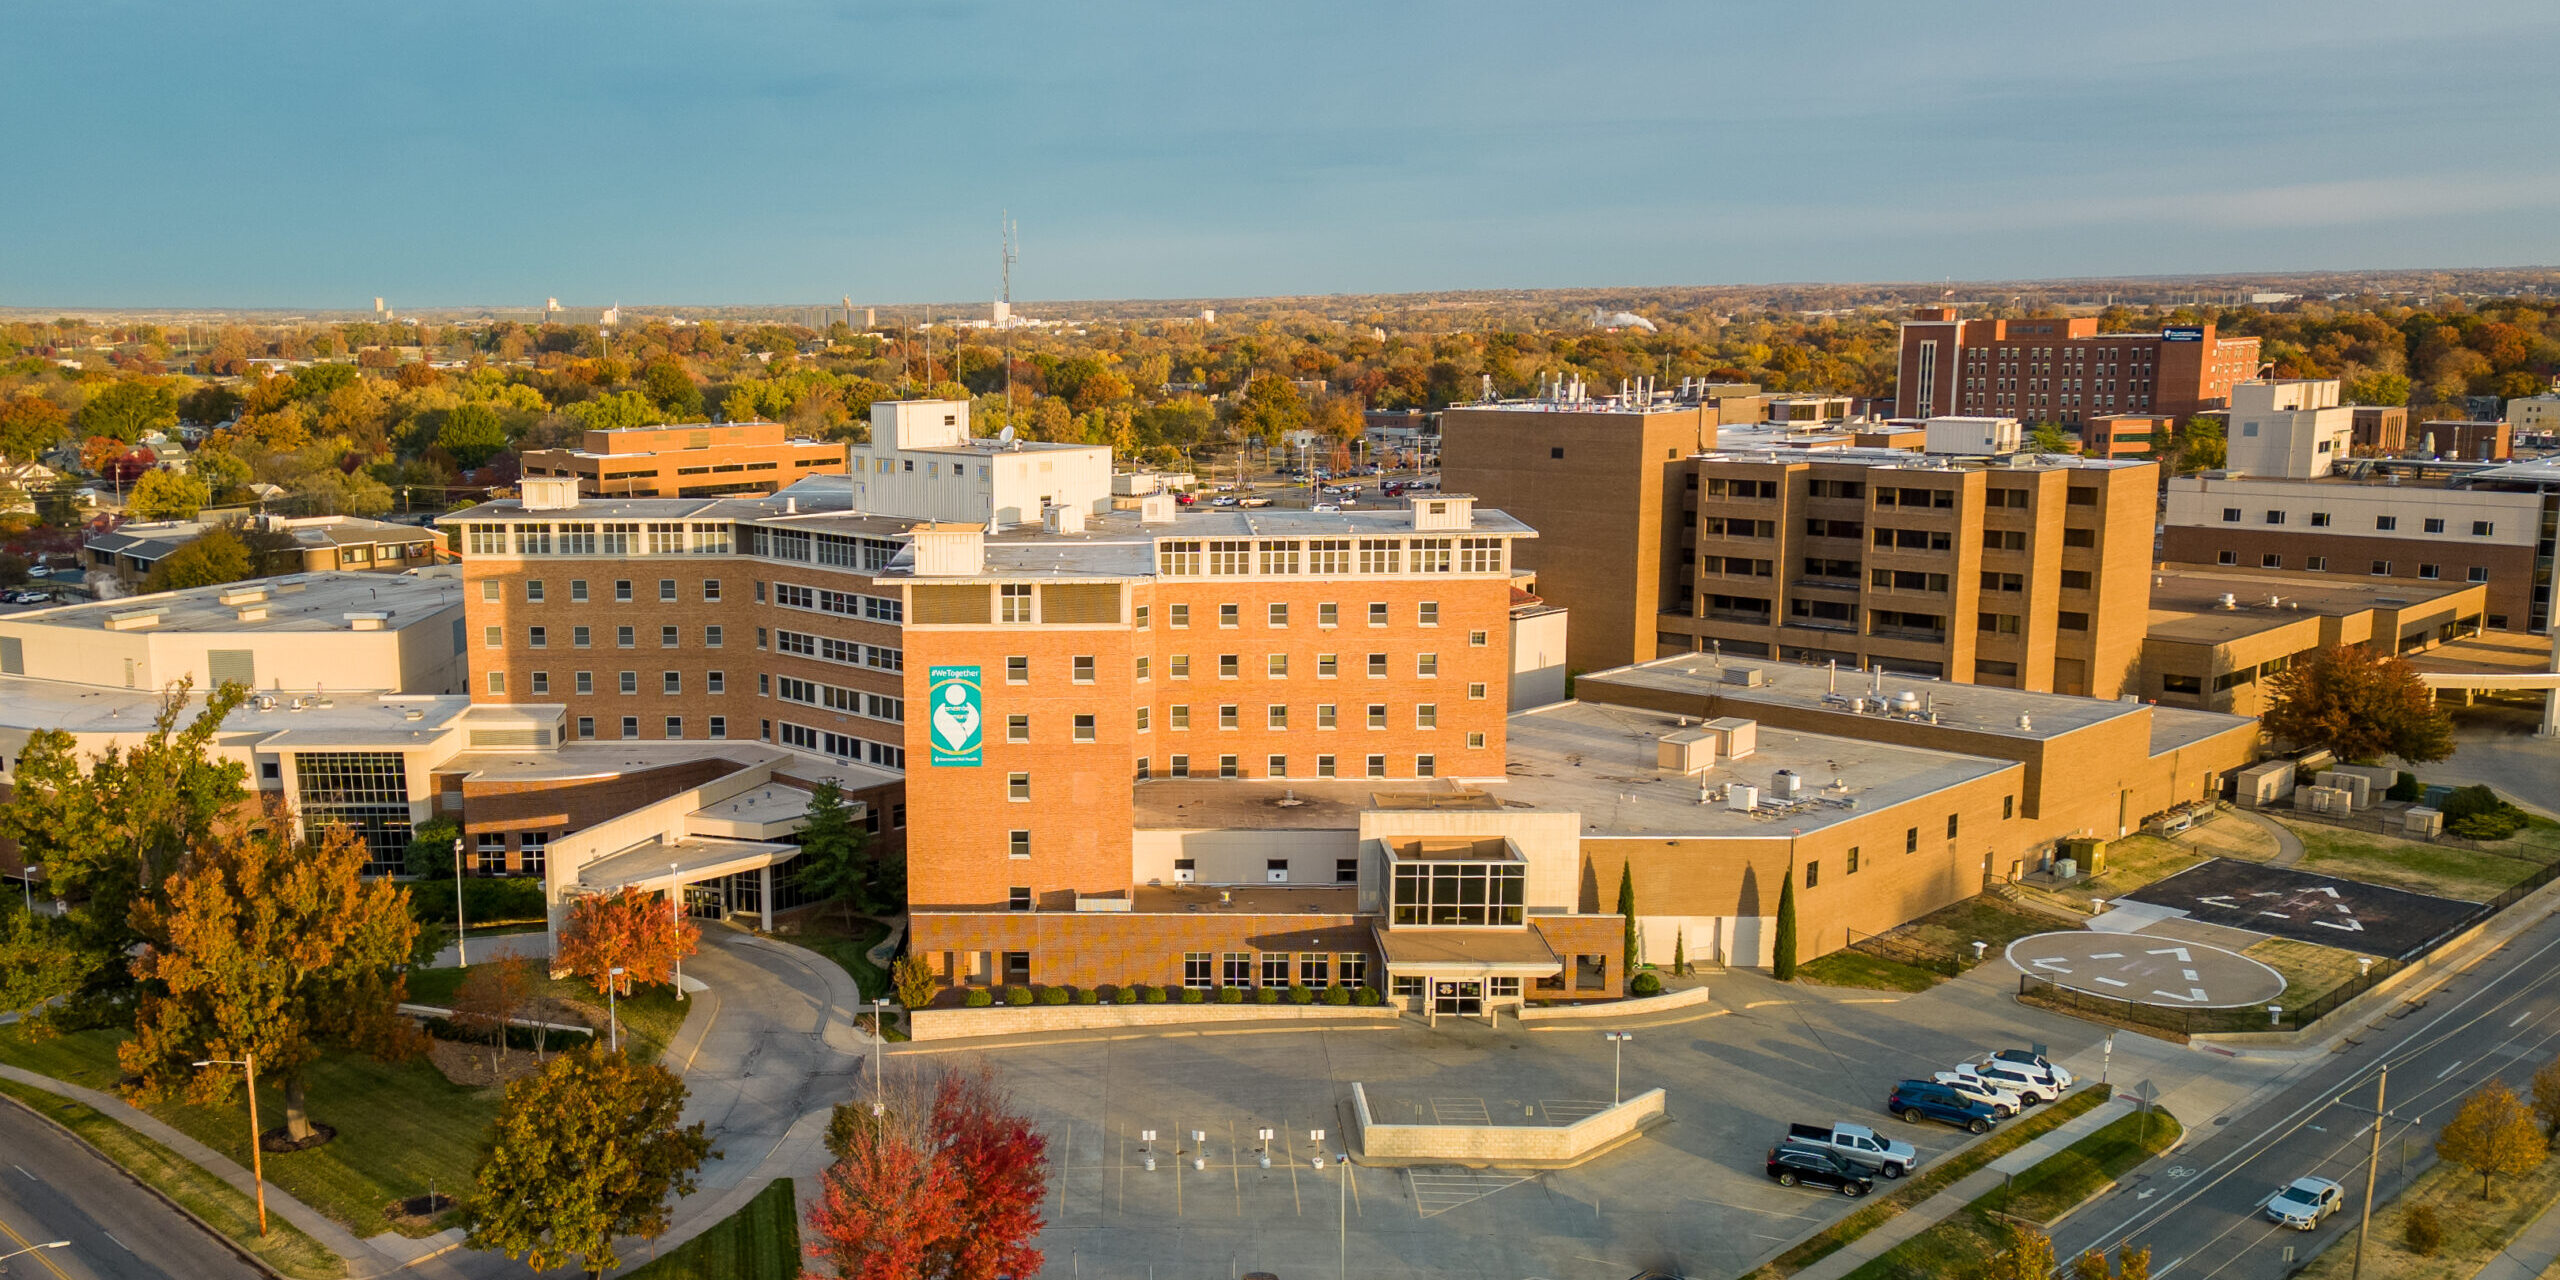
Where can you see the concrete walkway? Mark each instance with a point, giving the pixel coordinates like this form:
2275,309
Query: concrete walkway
2534,1250
2288,845
1947,1203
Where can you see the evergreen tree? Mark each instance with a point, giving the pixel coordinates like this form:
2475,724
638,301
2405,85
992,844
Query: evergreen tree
832,861
1627,912
1782,961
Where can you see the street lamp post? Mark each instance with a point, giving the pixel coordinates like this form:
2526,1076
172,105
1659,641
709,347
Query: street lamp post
461,947
675,913
248,1064
1618,1073
613,1005
50,1244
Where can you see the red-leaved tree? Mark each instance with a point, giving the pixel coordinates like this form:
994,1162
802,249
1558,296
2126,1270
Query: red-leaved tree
630,929
948,1189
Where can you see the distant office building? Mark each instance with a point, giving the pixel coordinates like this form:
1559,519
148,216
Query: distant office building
922,462
2294,428
2380,430
2536,417
2127,435
688,461
1810,410
348,631
2465,441
2062,370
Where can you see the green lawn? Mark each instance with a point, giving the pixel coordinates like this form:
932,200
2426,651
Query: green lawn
2442,870
1966,1243
1858,969
402,1127
218,1203
2310,971
824,932
650,1015
1952,930
758,1242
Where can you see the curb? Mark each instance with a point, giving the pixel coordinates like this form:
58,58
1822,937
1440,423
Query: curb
255,1262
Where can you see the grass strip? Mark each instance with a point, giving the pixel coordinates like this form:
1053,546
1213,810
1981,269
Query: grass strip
759,1242
1948,1171
1967,1241
2474,1230
1872,973
218,1204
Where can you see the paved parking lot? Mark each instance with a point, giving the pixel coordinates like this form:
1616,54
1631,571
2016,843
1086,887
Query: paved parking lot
1689,1197
2325,910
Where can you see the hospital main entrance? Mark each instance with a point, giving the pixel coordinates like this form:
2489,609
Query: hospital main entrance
1461,996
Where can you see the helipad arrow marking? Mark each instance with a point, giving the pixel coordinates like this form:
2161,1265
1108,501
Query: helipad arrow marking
2221,900
2194,995
2179,952
2111,982
2106,955
2277,914
2053,965
2349,924
2325,889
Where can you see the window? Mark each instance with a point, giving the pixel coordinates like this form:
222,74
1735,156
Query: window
1328,614
1377,715
497,682
1177,616
1346,871
2226,557
1475,742
1179,766
1276,666
1141,615
2483,528
711,637
711,590
577,591
1276,716
2231,515
1951,826
1275,766
1227,715
622,590
1228,666
631,682
2008,807
671,682
1324,766
1475,692
1313,969
1178,716
1275,870
2319,519
2270,560
1352,968
1017,728
2428,572
1327,666
675,727
1018,898
2275,517
1227,767
667,638
1084,727
492,590
2070,621
1911,840
2435,524
1377,766
1195,969
1426,716
1852,868
2386,523
1017,843
631,726
1476,639
2479,573
1812,872
1142,718
2079,537
1426,766
667,590
493,637
1377,666
1142,668
2075,579
1275,968
537,637
2005,624
1178,666
1377,613
1427,665
626,637
719,726
1081,670
1457,893
586,682
1556,451
2382,568
542,682
1236,968
1277,615
1228,617
2316,564
1015,597
1017,669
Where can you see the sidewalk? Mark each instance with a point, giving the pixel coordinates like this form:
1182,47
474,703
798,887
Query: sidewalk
2534,1250
1946,1204
2288,845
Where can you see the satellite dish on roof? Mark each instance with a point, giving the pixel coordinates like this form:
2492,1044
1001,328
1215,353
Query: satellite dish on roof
1006,436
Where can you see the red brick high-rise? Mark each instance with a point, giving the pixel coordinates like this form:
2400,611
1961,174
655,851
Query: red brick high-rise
2062,370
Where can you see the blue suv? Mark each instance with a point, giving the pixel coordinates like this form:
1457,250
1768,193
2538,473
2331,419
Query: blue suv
1918,1100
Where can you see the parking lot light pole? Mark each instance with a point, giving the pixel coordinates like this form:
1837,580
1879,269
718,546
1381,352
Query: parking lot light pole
613,1005
461,949
675,913
248,1063
1618,1073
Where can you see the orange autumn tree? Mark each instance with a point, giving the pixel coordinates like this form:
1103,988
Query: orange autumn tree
630,929
273,948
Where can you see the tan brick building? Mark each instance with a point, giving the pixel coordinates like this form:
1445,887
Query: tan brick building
693,460
2062,370
2217,636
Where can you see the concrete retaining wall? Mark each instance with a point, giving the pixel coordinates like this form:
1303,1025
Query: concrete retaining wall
955,1024
1633,1007
1531,1146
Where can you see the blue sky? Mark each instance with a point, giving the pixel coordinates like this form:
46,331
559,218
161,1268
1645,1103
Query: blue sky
315,155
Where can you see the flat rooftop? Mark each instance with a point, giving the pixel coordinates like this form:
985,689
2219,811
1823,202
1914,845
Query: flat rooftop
2491,651
1599,761
2186,603
300,602
1119,545
1749,448
347,718
1181,804
1975,708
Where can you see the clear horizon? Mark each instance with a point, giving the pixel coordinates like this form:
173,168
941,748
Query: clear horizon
788,154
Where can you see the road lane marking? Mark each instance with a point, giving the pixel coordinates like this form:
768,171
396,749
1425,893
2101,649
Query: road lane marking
119,1243
2448,1070
23,1169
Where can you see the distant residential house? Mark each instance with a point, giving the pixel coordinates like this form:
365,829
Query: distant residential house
325,543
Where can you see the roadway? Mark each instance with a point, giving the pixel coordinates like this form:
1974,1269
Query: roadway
2200,1215
53,1188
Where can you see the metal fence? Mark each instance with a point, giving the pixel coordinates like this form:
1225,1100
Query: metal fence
2529,845
1904,951
2193,1022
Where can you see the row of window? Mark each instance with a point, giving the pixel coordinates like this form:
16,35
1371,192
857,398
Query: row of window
1276,716
1177,616
584,682
2320,564
842,746
1275,666
853,702
673,725
2381,524
1277,766
1271,968
493,591
870,555
491,850
847,652
624,637
847,603
1325,557
588,538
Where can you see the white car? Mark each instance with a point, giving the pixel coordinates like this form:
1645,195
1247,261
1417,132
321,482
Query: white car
2033,1087
2302,1204
2031,1058
1325,506
2003,1100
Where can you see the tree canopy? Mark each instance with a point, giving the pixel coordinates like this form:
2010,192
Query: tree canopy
166,495
128,411
630,929
586,1151
2494,1134
941,1188
211,558
2358,704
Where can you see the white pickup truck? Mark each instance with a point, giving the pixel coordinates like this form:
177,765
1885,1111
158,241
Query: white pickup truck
1860,1145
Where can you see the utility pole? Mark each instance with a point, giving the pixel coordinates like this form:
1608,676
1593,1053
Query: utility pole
461,949
2364,1219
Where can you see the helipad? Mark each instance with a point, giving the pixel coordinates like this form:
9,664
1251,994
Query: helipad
2147,970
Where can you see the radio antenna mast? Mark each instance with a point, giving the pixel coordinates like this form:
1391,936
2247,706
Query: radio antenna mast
1005,224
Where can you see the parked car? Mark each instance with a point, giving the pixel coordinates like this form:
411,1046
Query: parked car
1918,1100
1859,1145
1222,500
2036,1059
2032,1086
1185,499
2003,1101
1325,506
1793,1163
2302,1203
40,571
1254,502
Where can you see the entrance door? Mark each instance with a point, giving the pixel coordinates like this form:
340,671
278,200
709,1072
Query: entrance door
1464,997
705,901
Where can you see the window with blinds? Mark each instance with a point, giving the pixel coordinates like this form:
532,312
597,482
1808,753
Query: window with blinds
949,605
1088,602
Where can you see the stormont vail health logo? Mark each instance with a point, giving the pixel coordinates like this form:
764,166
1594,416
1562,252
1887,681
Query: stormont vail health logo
958,721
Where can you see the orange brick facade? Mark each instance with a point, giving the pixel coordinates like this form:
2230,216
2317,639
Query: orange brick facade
698,460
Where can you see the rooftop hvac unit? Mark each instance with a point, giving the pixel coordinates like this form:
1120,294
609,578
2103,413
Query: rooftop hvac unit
1741,799
1785,784
1747,677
